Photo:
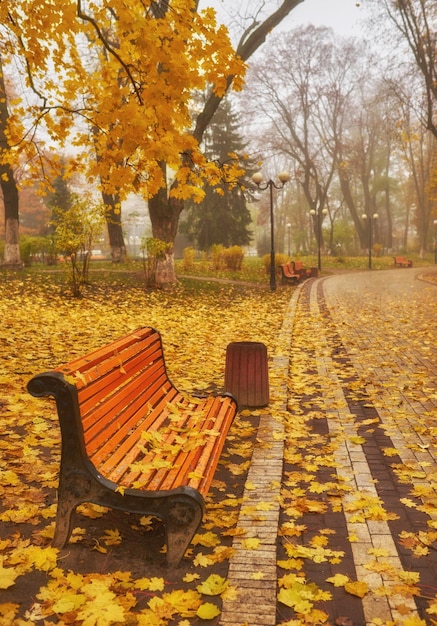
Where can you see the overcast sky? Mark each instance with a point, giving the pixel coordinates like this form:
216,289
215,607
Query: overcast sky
341,15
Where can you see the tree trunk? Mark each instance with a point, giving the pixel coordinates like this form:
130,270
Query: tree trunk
164,214
348,198
12,256
8,187
115,231
11,204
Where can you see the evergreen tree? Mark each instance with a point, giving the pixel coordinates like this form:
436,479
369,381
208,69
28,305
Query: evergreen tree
222,217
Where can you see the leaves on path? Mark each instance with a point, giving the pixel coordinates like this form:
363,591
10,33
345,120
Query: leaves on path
40,330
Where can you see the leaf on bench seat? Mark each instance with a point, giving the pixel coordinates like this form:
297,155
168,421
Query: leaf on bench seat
195,475
79,376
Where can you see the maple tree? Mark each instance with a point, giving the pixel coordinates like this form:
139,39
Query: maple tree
116,81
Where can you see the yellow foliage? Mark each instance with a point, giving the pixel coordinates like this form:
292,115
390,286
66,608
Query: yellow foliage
207,610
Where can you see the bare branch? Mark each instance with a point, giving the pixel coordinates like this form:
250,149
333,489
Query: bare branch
253,37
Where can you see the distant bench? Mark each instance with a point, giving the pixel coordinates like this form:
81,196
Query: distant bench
401,261
132,441
288,274
294,271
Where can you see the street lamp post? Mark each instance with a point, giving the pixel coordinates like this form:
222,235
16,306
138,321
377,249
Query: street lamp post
257,178
369,219
288,235
319,215
435,241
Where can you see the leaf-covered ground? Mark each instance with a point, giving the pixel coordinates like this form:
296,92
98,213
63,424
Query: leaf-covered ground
350,399
112,572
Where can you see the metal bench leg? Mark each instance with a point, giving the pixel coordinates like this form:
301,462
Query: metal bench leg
74,489
183,519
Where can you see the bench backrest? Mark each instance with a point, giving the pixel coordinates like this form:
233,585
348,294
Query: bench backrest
298,265
109,398
122,381
119,382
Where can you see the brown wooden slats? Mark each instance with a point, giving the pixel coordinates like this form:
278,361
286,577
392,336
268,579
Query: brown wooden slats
207,464
123,391
121,418
198,460
120,441
116,369
187,459
97,406
168,426
98,356
201,460
127,452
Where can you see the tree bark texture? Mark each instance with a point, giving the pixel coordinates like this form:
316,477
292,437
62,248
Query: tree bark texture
8,186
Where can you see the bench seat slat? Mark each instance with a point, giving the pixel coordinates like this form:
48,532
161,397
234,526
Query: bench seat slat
192,449
196,468
117,462
140,455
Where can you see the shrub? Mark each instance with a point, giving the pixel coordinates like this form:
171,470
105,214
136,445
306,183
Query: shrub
153,251
280,259
188,260
233,258
31,247
217,257
377,249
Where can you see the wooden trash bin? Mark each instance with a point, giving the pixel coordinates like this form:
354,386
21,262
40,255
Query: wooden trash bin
246,373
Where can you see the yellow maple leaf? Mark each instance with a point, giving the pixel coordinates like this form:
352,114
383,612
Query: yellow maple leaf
112,537
103,610
357,439
208,540
339,580
251,543
189,578
151,584
378,552
185,603
7,576
390,451
68,602
214,585
203,560
207,610
357,588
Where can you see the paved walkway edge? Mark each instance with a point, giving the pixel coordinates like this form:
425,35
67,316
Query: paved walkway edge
253,571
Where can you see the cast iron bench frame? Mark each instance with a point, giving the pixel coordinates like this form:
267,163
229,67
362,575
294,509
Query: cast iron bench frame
112,404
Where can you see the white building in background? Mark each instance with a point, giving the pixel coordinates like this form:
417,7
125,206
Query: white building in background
136,224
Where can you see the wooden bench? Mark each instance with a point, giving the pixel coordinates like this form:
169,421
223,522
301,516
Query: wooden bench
401,261
299,269
131,440
288,275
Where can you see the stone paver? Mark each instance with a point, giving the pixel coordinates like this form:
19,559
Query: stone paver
387,356
253,572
